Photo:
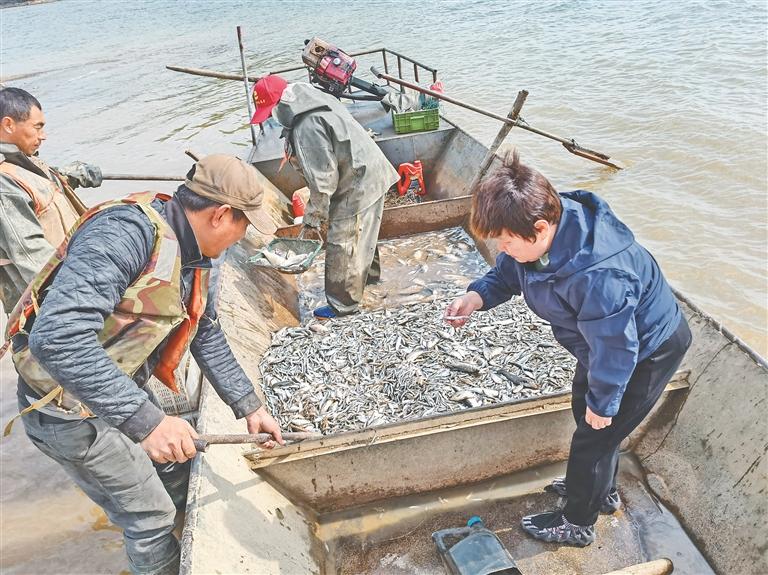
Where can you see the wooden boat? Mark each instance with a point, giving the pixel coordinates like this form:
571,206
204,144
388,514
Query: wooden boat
693,475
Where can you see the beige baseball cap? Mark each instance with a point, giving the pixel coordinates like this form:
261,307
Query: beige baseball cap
229,180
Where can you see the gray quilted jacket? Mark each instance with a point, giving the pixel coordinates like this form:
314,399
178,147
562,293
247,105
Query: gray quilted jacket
104,257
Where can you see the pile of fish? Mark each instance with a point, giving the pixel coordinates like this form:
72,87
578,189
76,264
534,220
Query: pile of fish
283,260
291,255
395,364
393,198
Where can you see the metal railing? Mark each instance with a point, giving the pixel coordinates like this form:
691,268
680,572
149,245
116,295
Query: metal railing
399,58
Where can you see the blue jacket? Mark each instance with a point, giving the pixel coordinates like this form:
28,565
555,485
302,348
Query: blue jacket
602,292
104,257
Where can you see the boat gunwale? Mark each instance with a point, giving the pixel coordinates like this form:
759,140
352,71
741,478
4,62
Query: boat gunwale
437,423
727,333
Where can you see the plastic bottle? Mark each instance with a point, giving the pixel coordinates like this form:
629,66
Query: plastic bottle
478,551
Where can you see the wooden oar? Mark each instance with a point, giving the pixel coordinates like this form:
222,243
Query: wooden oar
202,443
569,144
211,73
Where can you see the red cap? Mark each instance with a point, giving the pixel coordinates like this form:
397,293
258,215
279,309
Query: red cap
266,94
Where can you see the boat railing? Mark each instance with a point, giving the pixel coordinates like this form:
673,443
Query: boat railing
403,62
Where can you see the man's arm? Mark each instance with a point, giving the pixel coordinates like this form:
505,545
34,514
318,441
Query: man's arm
605,301
499,284
314,151
21,236
219,365
104,258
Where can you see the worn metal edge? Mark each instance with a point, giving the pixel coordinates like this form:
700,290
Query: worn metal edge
433,424
193,492
729,335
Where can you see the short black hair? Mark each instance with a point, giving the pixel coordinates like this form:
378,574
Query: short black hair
196,203
513,198
17,103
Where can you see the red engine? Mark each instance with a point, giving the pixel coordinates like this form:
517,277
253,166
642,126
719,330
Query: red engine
328,66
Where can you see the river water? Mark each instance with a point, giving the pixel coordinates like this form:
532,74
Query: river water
675,91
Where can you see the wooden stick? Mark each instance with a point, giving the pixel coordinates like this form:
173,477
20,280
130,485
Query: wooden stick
142,177
505,128
211,73
570,145
658,567
202,443
248,101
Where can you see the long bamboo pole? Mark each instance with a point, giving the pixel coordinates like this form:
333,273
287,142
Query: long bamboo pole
569,144
142,177
248,101
211,73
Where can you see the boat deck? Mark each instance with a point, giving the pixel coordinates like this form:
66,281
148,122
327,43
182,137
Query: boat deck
396,539
417,268
367,501
428,147
371,116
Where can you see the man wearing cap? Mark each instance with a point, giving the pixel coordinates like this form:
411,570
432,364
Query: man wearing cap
347,176
37,202
122,299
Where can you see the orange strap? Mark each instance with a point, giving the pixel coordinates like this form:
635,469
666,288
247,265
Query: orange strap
177,343
11,173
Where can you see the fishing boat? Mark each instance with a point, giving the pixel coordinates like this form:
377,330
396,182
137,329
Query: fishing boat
693,476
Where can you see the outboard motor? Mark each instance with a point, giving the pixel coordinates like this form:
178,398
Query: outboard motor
331,69
329,66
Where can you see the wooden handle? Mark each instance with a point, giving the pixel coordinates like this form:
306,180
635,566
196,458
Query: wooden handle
143,177
569,144
202,443
658,567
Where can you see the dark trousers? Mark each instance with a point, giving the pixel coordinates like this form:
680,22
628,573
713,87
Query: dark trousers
119,477
594,456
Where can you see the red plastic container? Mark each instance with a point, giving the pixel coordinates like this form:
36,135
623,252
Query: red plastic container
297,204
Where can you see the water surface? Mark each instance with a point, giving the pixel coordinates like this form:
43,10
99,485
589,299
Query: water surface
675,91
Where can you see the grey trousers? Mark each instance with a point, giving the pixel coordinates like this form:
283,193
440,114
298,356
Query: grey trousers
119,477
351,256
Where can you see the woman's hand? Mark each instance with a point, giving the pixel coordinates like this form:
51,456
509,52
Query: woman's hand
458,312
597,421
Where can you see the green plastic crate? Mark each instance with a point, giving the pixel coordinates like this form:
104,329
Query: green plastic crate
418,121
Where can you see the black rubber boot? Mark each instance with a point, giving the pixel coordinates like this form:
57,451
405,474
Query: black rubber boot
610,504
553,527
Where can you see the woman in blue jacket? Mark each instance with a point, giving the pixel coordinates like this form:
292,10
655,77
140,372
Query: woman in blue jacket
579,268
